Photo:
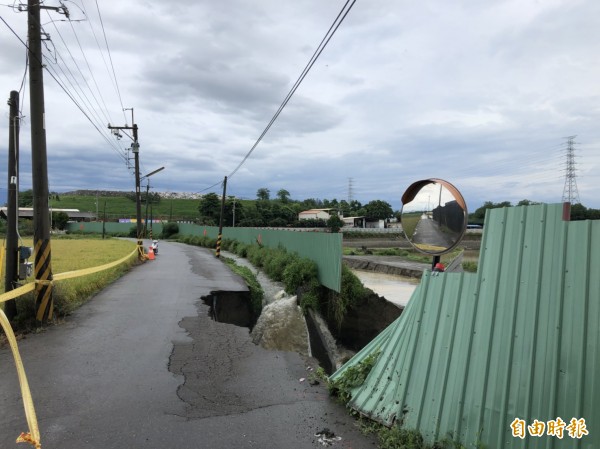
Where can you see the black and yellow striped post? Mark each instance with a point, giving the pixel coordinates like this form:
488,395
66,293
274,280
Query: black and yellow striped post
218,251
39,167
43,281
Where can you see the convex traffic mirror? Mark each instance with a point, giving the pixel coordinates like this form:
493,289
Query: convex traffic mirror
434,216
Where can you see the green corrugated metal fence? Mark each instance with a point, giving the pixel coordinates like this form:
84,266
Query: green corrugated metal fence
323,248
518,339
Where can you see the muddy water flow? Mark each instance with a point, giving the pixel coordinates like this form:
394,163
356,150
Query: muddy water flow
396,289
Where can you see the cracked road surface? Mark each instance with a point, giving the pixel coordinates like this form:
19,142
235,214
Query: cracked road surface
142,365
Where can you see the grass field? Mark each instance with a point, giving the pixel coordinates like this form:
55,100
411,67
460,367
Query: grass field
124,207
71,254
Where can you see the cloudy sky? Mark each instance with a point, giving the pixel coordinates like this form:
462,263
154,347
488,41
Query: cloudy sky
481,94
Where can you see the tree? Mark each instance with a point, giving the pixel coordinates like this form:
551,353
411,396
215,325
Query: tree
526,203
311,203
379,209
59,220
580,212
344,208
169,229
355,206
479,214
26,198
263,194
283,195
210,208
335,223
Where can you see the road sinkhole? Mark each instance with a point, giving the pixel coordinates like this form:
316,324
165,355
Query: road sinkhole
231,308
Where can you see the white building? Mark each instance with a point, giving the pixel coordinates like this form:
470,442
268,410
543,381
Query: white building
315,214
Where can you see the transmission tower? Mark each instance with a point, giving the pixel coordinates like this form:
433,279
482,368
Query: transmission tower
350,190
570,193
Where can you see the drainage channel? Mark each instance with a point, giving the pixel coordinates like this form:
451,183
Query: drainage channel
281,326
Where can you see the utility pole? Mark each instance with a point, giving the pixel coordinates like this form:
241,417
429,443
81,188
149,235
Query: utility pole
233,221
104,222
135,147
39,167
146,219
147,196
219,237
12,258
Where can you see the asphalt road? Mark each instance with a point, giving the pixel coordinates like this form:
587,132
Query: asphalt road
142,365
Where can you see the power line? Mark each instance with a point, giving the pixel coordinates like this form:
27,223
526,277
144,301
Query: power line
55,75
332,29
110,58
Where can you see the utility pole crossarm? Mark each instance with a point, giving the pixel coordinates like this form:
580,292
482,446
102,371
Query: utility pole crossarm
136,153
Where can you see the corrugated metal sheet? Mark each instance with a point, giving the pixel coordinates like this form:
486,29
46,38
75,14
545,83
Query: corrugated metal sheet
518,339
324,248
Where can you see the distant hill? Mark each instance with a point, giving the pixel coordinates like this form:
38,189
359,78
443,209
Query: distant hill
105,193
165,206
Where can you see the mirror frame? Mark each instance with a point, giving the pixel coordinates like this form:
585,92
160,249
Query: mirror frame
410,194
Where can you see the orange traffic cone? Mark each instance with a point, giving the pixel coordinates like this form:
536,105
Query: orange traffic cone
150,253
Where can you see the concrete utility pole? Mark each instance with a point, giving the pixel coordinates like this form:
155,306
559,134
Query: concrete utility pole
12,222
135,147
39,168
146,219
218,251
233,221
147,195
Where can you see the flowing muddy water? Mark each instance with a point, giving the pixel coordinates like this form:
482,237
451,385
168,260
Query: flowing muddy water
396,289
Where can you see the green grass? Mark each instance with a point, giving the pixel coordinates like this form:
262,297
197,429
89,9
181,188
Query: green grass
409,222
124,207
256,291
69,254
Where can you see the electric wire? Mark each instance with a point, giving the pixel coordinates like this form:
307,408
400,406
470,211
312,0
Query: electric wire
52,71
330,32
335,25
112,76
65,90
110,58
105,111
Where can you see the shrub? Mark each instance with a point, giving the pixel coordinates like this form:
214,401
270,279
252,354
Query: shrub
169,230
352,292
298,273
255,255
241,249
59,220
470,267
133,232
352,377
311,299
275,262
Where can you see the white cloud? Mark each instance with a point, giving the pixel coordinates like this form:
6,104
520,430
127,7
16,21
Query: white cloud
479,93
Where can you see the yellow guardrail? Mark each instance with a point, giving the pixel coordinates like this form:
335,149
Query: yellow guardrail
33,436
